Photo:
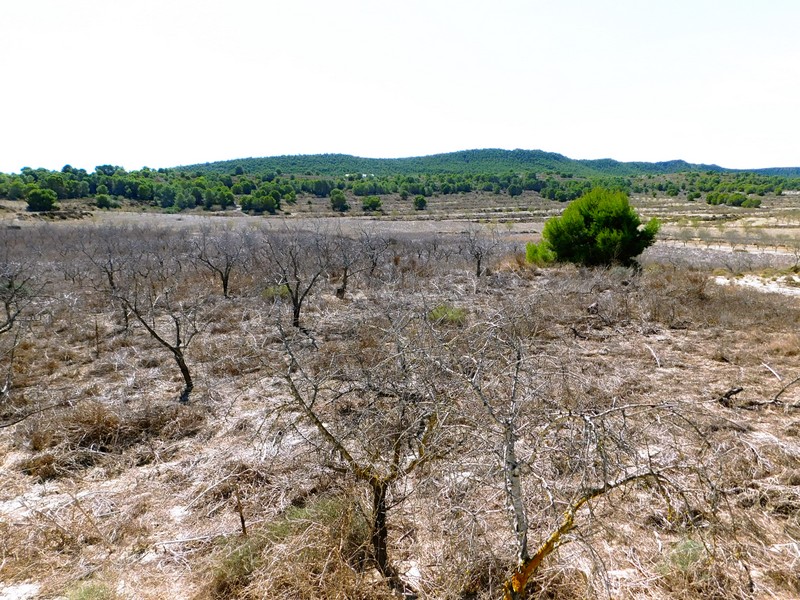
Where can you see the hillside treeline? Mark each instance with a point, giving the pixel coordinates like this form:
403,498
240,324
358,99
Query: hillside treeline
269,190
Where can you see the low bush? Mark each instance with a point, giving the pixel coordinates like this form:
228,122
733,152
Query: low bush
539,254
275,292
371,204
91,591
446,314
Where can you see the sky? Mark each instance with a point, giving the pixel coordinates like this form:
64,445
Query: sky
162,83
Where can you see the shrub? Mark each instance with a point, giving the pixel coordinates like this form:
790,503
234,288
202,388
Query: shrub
751,203
91,591
599,228
371,203
539,254
40,200
321,545
514,190
686,555
105,201
276,292
91,432
339,201
445,314
236,568
260,204
420,202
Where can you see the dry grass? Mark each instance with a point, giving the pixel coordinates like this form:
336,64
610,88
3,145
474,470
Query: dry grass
91,433
317,550
119,481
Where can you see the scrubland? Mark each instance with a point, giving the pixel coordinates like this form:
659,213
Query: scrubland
251,408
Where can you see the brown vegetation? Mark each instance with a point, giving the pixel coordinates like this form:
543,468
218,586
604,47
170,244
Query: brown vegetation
446,423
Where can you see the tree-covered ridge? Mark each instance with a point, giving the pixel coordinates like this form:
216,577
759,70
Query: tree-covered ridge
493,161
259,186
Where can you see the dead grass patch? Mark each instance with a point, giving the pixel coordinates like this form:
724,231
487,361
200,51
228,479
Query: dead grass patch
784,344
314,551
691,570
91,432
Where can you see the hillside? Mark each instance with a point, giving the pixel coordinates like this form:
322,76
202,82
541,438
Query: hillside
464,162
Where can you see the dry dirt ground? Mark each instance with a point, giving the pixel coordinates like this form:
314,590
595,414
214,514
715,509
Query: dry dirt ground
111,489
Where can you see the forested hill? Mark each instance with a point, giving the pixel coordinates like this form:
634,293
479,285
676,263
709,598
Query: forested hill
465,162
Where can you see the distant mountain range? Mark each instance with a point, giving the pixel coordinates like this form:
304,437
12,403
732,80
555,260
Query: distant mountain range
467,161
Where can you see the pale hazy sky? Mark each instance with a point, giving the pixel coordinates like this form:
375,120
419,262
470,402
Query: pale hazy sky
168,82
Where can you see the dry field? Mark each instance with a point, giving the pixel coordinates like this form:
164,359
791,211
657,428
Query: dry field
434,379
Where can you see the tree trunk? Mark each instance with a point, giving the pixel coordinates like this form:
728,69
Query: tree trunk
296,315
187,376
225,277
124,319
342,291
379,529
514,494
380,544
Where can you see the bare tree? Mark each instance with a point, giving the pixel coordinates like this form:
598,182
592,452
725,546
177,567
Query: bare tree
376,410
114,253
685,234
221,251
478,245
16,294
160,297
374,247
23,288
555,451
18,289
345,260
298,261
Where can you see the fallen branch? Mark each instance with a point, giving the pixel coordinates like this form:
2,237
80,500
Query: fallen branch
773,371
202,538
727,398
33,412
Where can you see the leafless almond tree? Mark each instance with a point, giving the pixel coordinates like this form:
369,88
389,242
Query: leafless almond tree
221,251
113,252
479,245
159,295
557,450
296,260
376,410
375,250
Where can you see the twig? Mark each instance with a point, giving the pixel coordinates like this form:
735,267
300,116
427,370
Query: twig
783,389
240,511
91,520
771,370
658,362
202,538
208,489
31,413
